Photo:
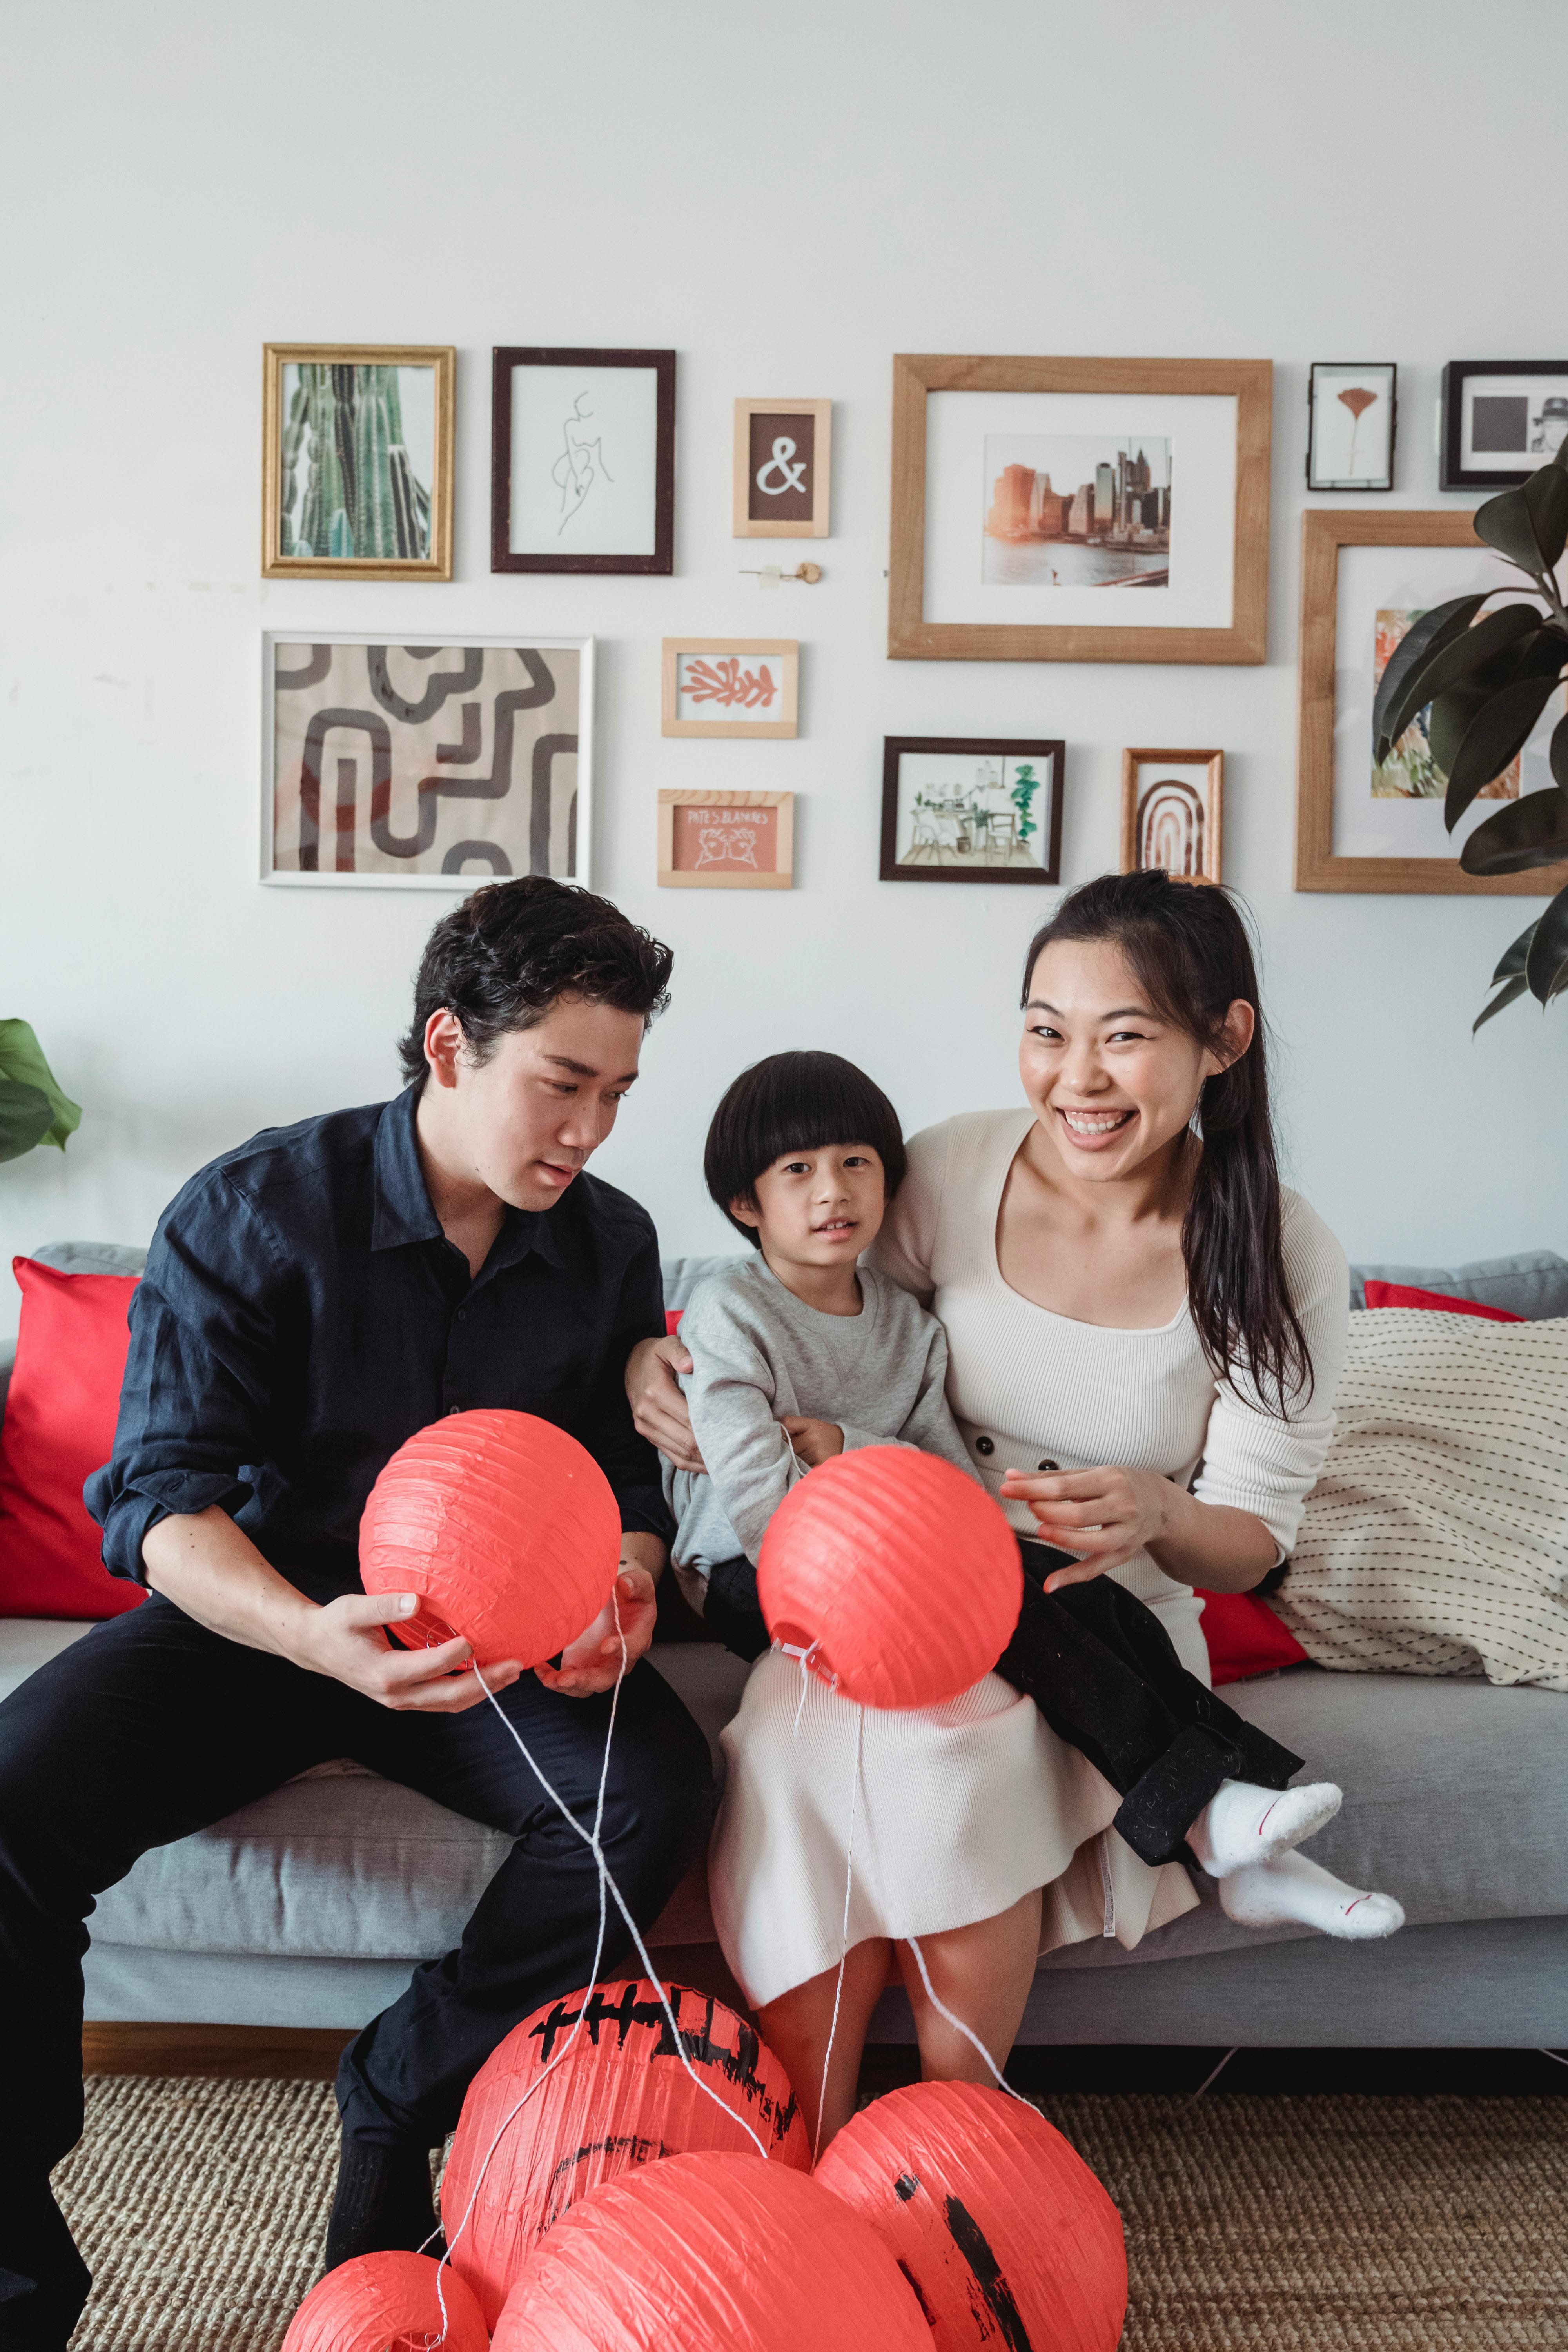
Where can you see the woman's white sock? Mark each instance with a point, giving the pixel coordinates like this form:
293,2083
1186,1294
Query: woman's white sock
1268,1894
1243,1824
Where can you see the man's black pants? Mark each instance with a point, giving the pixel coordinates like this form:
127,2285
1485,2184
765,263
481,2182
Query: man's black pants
150,1728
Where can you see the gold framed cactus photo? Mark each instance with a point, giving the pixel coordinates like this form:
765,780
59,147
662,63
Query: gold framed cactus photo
356,469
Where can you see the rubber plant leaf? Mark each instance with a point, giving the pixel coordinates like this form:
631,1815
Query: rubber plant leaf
1559,753
1523,833
1511,963
22,1062
1504,997
1422,639
1546,966
1458,655
1528,525
1495,733
24,1115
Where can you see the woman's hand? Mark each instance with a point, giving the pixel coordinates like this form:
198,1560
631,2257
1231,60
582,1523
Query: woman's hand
815,1441
592,1661
659,1408
1107,1515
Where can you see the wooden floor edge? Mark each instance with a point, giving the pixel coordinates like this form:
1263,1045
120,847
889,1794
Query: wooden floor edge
302,2053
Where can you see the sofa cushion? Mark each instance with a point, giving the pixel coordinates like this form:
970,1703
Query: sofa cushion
1535,1285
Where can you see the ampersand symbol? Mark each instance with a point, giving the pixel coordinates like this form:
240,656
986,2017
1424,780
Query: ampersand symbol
794,476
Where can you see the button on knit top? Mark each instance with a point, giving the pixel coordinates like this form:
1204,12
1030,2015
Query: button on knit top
1029,1386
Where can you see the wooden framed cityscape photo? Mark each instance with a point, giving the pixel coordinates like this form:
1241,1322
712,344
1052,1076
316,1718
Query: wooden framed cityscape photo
581,460
729,685
1172,815
356,461
1365,579
1079,509
726,840
783,468
981,808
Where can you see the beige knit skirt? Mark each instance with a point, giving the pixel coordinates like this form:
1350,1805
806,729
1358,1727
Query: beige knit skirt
935,1817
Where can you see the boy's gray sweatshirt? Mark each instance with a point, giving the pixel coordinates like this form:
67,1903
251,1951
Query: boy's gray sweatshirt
760,1352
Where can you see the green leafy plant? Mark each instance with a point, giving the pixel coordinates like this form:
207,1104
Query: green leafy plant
1488,677
33,1109
1026,785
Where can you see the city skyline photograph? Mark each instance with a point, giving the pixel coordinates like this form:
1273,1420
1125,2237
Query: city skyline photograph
1075,510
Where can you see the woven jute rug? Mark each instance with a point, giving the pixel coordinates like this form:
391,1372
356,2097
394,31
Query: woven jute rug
1253,2224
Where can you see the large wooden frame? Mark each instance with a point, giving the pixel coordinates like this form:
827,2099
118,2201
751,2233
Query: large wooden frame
671,878
1214,821
1324,531
276,357
744,524
910,638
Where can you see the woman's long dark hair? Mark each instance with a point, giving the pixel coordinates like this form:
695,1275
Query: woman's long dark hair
1189,949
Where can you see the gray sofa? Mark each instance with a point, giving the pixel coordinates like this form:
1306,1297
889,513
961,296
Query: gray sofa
309,1907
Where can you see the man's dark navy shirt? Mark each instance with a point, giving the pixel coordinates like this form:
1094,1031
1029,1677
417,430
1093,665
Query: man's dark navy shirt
302,1313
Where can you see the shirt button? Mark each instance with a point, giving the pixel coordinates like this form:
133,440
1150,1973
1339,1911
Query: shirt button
1050,1465
986,1445
462,1314
451,1409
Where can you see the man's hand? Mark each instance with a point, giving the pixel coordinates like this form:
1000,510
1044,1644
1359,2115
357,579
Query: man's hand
592,1661
658,1409
815,1441
344,1639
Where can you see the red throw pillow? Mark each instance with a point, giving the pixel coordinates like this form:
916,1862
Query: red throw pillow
59,1420
1399,1294
672,1316
1244,1637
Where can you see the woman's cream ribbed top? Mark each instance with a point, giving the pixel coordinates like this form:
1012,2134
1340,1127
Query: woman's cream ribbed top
1030,1388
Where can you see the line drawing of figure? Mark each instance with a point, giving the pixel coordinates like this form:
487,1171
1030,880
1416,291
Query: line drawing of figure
580,464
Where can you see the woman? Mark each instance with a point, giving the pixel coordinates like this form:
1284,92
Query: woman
1144,1330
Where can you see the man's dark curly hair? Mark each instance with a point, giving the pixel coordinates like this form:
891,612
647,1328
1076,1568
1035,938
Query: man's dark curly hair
501,959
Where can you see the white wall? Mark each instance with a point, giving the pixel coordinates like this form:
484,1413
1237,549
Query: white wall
786,195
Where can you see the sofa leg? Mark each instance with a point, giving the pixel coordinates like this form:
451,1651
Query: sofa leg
280,2052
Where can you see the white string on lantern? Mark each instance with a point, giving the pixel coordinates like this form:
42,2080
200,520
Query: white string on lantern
844,1931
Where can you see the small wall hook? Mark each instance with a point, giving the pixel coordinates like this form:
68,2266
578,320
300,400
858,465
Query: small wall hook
770,574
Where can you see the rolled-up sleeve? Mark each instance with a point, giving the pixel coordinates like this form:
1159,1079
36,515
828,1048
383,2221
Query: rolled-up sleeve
196,1401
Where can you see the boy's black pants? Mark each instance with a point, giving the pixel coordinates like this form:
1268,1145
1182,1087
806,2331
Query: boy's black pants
1104,1673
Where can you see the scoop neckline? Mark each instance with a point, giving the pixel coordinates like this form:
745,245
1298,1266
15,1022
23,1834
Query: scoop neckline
1073,1322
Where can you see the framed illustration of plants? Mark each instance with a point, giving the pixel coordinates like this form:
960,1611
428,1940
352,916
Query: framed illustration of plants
424,767
356,461
1172,815
581,460
783,468
1353,413
726,840
963,808
729,685
1362,823
1079,509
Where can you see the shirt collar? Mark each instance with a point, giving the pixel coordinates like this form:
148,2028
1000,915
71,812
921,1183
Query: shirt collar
401,1211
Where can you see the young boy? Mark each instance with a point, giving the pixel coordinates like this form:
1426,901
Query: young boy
965,1811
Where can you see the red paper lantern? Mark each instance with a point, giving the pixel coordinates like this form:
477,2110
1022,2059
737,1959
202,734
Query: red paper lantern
619,2098
386,2303
899,1574
505,1526
712,2253
1005,2231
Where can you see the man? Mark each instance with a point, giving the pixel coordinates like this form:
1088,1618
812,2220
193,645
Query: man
311,1299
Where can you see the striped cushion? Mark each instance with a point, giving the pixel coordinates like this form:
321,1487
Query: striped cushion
1436,1541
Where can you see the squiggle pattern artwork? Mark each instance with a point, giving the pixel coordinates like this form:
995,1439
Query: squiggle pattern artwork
379,752
727,684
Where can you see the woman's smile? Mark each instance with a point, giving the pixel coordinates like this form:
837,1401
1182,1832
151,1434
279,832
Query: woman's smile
1090,1128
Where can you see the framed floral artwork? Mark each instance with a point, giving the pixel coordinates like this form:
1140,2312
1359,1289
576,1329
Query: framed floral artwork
356,464
729,685
733,840
581,460
971,808
424,767
1172,815
1353,411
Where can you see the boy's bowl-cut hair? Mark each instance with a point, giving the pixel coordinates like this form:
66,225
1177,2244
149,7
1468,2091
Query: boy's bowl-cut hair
795,1102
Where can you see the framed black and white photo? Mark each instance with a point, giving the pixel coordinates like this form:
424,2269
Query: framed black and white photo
1352,413
583,461
1502,420
981,808
424,767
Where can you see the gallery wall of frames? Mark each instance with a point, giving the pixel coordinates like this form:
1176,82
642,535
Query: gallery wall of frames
1043,509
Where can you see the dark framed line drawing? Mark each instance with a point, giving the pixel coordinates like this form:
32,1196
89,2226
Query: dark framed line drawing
1079,509
783,468
581,460
1501,421
963,808
1352,417
424,767
356,461
1172,815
